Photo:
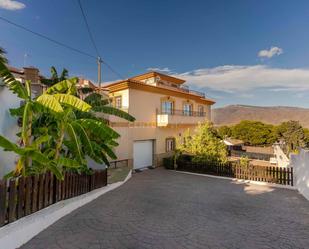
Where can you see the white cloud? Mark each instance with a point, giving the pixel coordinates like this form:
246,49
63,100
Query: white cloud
270,53
163,70
11,5
235,78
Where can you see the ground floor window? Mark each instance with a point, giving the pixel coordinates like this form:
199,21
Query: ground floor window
170,144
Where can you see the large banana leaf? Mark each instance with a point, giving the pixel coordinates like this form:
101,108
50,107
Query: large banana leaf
75,142
108,151
9,146
50,102
100,156
114,111
99,129
68,163
72,101
9,80
65,86
83,137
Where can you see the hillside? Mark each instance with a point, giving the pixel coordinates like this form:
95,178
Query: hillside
233,114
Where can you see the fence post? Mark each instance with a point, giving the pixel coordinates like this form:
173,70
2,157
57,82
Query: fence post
12,200
3,191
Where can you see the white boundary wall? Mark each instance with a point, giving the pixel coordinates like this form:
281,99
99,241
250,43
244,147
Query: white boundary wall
300,163
19,232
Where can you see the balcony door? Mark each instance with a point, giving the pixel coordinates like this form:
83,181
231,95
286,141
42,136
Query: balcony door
167,107
187,109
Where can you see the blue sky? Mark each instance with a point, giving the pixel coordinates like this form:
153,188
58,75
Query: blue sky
238,52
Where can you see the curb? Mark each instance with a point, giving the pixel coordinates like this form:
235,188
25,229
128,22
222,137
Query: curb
17,233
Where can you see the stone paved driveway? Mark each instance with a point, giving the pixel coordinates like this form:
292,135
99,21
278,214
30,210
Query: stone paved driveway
164,209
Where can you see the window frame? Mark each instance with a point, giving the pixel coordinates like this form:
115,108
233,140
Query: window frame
173,147
188,112
116,103
170,109
200,111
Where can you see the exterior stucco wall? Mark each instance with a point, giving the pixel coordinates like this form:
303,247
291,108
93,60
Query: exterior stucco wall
8,128
143,106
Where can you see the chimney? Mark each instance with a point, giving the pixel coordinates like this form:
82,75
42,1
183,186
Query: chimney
32,73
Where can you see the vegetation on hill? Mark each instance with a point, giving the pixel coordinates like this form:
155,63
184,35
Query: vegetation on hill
275,115
257,133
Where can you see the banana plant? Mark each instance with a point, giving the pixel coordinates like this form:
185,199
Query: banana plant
55,103
55,78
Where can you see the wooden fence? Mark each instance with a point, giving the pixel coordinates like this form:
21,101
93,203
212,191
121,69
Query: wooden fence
26,195
277,175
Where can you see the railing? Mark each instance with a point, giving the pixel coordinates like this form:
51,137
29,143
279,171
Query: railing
123,162
278,175
183,113
183,89
26,195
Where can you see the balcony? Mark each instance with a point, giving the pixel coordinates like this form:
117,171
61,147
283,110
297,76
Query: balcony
183,88
175,117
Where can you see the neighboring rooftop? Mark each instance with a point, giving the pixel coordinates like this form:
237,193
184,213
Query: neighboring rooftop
233,141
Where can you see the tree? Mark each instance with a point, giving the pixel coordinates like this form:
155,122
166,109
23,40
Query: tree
292,133
224,131
254,132
55,78
204,145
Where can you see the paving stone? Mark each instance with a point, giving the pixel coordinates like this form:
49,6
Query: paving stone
160,209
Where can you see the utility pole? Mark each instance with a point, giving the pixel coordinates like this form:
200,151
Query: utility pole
99,61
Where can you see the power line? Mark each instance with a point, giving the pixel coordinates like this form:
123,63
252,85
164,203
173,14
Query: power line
47,38
93,41
88,28
60,44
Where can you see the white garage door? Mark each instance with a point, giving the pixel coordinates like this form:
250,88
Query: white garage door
142,154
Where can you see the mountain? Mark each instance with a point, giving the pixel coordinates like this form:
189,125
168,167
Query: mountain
233,114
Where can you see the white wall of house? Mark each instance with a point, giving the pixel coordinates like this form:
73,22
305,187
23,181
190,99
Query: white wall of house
300,163
8,127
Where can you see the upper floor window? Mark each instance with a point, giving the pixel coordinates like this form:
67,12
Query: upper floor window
187,109
118,102
170,144
167,107
201,111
